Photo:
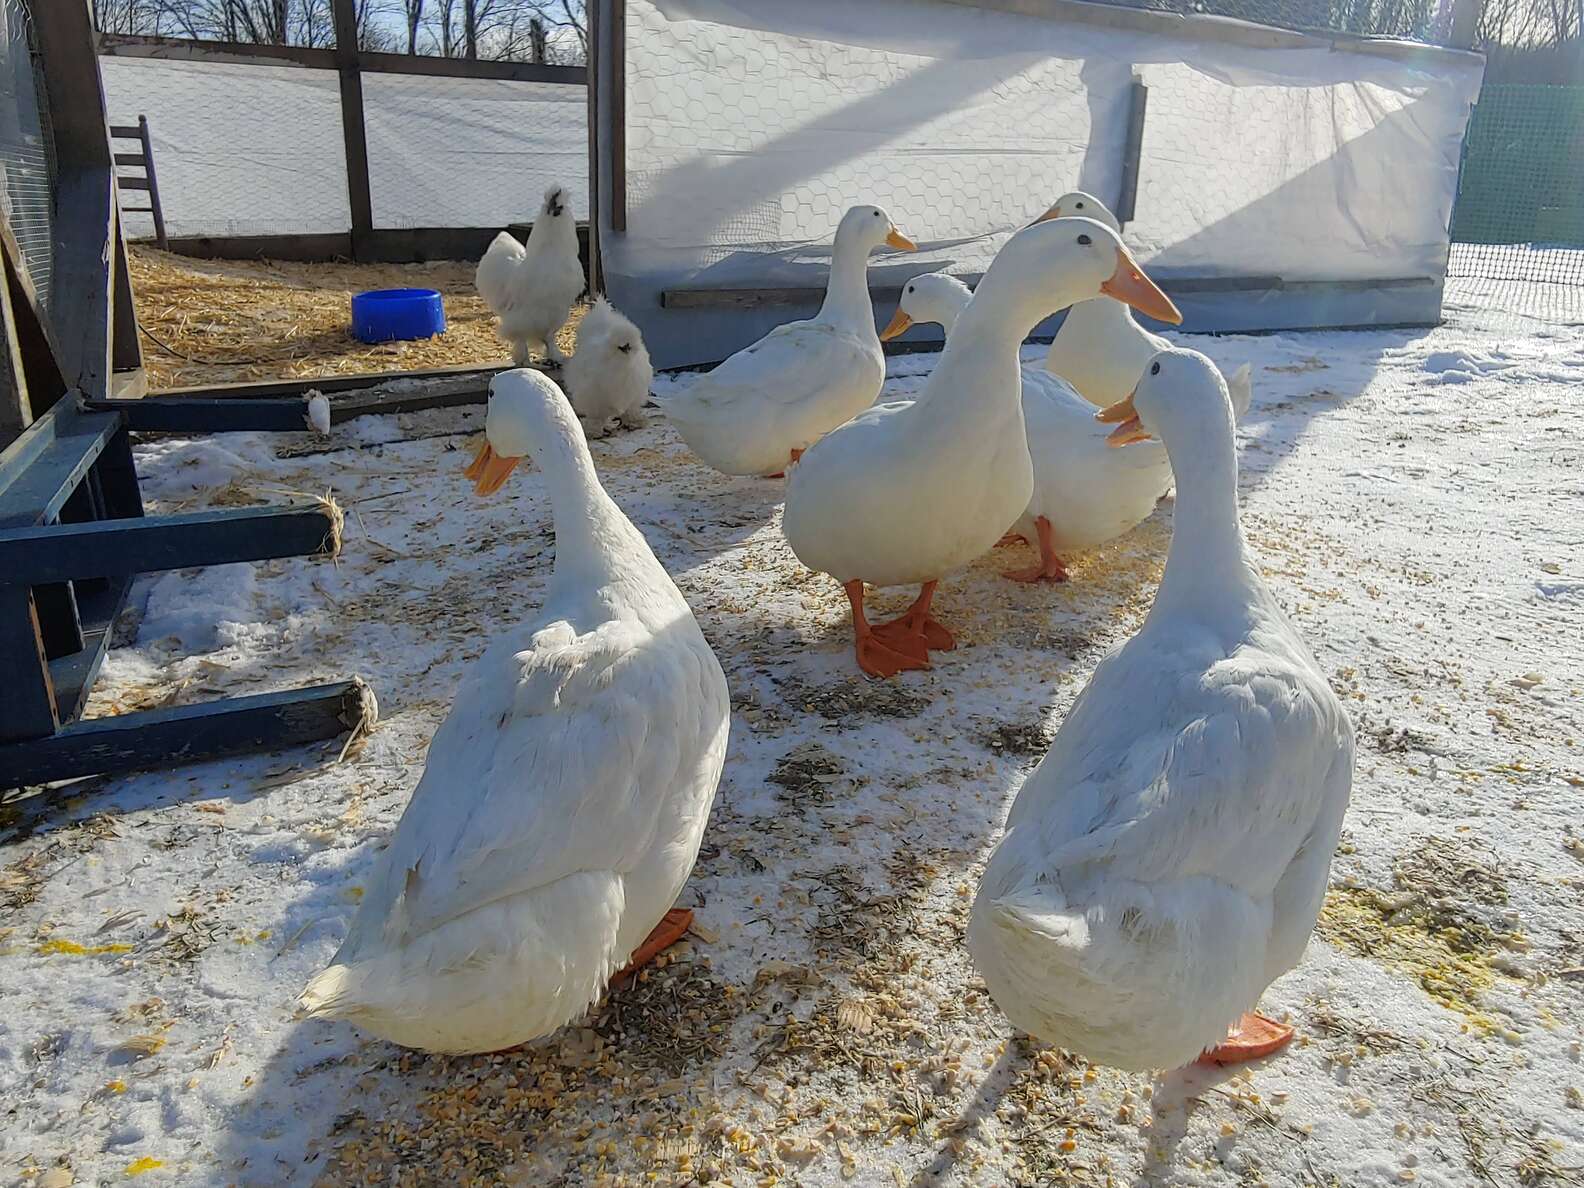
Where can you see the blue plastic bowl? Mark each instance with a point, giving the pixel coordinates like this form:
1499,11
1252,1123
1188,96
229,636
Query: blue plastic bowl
384,315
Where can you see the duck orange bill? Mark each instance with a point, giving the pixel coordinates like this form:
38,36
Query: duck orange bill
1053,213
1129,285
897,325
896,239
1128,426
489,470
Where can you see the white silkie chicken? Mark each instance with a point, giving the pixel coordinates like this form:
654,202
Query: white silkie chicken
1167,859
564,797
531,289
608,376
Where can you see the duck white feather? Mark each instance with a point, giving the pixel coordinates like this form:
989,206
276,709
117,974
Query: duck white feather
909,491
1100,348
564,798
767,403
1085,493
609,374
531,289
1167,859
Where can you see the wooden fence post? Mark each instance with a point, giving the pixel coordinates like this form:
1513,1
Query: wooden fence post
1465,23
353,133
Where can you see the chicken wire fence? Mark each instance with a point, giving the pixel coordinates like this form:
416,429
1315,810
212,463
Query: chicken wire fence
27,154
1413,20
258,150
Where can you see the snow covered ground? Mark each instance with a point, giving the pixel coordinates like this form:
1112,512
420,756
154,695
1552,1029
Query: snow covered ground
1417,500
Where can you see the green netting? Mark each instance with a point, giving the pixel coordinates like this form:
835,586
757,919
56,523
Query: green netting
1520,205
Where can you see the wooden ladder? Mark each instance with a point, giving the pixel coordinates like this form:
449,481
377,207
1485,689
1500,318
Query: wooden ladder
147,182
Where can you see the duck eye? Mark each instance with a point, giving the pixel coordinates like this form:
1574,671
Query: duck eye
877,214
1080,206
910,288
1154,368
1085,240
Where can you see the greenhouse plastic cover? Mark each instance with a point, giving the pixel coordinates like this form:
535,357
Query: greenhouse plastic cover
242,149
752,125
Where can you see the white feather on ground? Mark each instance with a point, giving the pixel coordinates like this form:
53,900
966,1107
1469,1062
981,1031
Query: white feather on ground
609,375
531,288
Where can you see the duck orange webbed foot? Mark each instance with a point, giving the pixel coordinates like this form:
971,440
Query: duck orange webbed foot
673,927
1010,539
1050,567
918,624
876,656
1250,1038
1047,571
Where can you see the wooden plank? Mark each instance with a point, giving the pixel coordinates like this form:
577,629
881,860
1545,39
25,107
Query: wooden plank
72,676
1132,152
595,273
617,40
157,209
188,733
382,245
181,414
381,63
115,479
179,49
760,298
354,134
84,194
329,384
121,45
28,711
37,480
38,354
16,409
220,536
126,350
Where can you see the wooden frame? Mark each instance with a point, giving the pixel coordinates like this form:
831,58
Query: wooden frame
73,533
362,242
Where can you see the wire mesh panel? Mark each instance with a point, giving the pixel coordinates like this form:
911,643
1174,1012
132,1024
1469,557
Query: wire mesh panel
1415,20
472,152
751,125
240,149
26,147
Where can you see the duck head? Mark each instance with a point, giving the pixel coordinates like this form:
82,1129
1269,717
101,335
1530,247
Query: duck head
1079,205
1060,262
933,297
871,227
524,404
1180,392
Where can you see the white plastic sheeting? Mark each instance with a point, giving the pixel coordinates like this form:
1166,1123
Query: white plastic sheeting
752,124
257,150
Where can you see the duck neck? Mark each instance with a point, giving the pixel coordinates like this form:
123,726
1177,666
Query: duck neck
1207,566
847,290
592,535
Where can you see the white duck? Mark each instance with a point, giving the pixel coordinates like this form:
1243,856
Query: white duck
1167,859
608,376
762,407
531,289
564,797
1100,349
1085,493
909,491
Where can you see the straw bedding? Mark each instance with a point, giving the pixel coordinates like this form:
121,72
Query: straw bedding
223,321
